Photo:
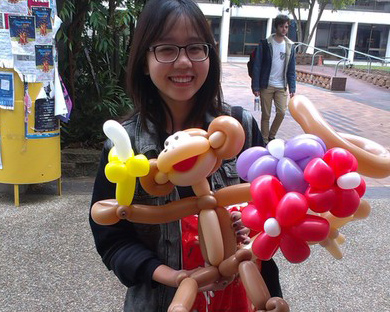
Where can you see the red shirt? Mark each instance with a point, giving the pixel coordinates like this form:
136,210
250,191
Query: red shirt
233,298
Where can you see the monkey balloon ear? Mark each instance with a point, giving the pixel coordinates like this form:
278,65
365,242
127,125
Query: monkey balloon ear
234,136
149,182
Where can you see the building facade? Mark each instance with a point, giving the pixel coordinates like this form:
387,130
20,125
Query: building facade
363,27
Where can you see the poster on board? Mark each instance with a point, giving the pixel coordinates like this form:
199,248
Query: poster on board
14,6
6,56
38,3
7,94
43,25
26,68
44,63
22,33
45,120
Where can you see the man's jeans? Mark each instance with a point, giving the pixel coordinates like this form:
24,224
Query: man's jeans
279,95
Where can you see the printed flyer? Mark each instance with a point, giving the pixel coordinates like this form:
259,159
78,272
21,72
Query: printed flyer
6,57
43,25
14,6
7,90
26,68
38,3
22,33
44,116
44,62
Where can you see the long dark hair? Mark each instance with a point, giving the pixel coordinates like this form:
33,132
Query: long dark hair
152,23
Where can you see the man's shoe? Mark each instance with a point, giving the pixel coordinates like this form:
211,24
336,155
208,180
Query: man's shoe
270,139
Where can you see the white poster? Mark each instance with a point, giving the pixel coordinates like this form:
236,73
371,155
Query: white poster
6,57
14,6
25,66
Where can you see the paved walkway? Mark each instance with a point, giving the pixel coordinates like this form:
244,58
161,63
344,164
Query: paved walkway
363,109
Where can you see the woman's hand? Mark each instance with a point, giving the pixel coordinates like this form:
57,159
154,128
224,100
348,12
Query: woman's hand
240,230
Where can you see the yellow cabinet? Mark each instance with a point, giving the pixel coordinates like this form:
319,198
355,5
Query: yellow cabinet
27,157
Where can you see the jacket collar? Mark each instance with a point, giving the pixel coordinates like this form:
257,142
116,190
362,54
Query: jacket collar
286,39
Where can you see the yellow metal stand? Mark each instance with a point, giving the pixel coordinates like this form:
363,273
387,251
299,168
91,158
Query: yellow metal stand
26,160
16,194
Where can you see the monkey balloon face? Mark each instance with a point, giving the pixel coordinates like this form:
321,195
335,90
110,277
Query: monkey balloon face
187,158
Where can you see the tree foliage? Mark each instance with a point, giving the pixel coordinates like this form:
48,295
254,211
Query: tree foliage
295,8
93,45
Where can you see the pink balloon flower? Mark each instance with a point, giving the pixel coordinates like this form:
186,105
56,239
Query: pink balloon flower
282,220
334,184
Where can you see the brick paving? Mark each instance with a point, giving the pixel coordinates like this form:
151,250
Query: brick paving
363,109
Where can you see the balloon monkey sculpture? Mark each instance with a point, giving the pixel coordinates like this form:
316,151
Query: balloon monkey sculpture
189,157
278,204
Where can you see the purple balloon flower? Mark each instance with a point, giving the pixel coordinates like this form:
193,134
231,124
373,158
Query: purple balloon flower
298,152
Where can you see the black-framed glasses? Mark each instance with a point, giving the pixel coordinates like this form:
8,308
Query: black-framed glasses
169,53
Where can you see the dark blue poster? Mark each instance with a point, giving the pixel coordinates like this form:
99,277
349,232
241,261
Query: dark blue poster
44,62
43,26
22,33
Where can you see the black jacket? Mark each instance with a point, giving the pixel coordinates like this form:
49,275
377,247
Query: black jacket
263,62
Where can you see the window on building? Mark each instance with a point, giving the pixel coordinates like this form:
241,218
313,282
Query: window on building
215,25
331,35
245,34
370,5
372,39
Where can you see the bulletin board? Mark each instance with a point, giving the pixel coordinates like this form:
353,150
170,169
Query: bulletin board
31,93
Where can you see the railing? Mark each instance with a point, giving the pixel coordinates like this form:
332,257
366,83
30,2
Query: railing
343,59
368,56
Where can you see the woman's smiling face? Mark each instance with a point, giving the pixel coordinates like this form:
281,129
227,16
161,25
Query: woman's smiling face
179,81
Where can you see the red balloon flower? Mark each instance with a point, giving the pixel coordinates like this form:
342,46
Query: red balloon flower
282,220
334,184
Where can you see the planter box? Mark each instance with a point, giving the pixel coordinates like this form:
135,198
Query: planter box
322,80
305,59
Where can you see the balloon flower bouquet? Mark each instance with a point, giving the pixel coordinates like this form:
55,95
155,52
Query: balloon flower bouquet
299,192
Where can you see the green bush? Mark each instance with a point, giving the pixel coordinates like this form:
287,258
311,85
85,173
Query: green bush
93,44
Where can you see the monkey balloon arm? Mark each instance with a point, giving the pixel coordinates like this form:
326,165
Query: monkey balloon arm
234,194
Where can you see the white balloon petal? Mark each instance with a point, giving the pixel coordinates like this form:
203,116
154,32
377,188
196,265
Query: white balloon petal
272,227
349,181
276,148
118,135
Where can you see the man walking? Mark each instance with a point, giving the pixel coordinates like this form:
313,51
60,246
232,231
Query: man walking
273,70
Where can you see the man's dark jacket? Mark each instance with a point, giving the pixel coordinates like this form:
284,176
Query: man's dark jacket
263,61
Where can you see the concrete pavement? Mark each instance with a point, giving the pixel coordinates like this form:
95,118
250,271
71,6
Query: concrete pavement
48,261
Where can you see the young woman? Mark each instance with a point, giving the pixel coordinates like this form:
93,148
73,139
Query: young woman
174,83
